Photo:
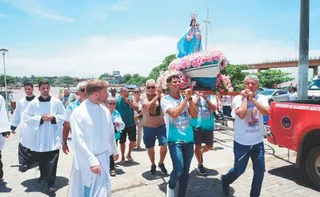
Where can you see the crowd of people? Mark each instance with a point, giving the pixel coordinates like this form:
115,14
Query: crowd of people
181,120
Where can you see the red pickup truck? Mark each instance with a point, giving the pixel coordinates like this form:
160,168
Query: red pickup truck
296,125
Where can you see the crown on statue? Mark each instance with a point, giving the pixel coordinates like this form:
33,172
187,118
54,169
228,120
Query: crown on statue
194,15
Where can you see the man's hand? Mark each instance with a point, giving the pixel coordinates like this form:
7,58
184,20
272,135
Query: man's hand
96,169
115,157
127,100
6,136
13,132
65,149
47,117
188,93
243,93
116,124
249,95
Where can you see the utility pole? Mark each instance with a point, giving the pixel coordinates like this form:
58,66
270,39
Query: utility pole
303,50
207,22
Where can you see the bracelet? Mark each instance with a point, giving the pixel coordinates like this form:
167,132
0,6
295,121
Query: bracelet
64,143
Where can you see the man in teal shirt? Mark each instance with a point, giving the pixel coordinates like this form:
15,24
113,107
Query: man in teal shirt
126,105
177,110
203,127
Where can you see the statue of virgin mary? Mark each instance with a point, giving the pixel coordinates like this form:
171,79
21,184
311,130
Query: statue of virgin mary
190,42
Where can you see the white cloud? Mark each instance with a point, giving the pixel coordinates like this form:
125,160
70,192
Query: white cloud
96,55
35,7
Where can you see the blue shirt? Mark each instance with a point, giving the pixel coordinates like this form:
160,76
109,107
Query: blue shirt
205,118
178,129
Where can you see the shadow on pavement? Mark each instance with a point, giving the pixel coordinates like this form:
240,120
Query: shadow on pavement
4,188
32,185
150,177
119,171
202,186
297,175
128,163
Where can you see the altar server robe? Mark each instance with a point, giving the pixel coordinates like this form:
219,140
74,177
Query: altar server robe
47,135
4,121
93,141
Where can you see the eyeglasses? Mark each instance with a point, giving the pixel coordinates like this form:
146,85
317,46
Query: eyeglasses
82,90
151,87
136,92
111,103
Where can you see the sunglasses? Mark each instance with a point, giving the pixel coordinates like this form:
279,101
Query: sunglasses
82,90
112,103
136,92
151,87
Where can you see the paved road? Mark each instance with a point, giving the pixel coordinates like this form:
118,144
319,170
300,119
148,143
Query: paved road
134,179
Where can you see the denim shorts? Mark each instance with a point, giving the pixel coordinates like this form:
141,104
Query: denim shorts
150,135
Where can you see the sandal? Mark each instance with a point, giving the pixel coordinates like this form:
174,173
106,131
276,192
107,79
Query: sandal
129,158
112,173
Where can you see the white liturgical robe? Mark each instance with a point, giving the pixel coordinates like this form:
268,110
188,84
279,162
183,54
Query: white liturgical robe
94,142
17,121
48,134
4,121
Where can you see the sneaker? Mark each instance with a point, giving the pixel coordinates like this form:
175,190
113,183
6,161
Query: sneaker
23,168
52,190
153,169
224,186
201,169
170,192
163,169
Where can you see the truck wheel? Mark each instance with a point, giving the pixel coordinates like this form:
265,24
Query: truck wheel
313,165
270,101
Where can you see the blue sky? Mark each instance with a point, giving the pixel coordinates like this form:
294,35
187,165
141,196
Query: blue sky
86,38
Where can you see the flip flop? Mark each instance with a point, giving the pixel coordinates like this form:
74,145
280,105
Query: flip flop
129,158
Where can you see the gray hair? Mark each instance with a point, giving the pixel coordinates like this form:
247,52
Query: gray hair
110,98
81,84
253,77
150,81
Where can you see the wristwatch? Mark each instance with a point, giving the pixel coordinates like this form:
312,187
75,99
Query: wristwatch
64,143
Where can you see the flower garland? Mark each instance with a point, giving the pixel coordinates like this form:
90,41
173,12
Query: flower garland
177,66
198,59
223,84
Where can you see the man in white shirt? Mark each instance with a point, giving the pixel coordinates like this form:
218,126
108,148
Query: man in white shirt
4,130
93,139
81,92
45,117
294,95
249,108
25,155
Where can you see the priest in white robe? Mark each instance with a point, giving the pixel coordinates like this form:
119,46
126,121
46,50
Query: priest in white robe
4,129
45,117
93,141
25,155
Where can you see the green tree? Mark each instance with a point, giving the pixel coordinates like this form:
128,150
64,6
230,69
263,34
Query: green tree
105,76
66,80
126,78
155,72
237,73
9,79
269,77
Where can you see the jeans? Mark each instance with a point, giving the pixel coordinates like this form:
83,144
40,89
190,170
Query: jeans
241,157
181,155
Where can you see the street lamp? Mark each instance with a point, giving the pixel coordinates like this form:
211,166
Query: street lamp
3,52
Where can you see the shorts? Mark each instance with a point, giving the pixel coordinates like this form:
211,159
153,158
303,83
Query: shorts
131,131
150,135
203,136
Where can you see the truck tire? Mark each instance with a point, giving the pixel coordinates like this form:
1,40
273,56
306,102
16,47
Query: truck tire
313,165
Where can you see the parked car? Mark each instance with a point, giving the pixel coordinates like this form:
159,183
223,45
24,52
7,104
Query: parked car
276,95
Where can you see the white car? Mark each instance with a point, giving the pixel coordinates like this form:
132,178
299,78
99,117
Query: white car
276,95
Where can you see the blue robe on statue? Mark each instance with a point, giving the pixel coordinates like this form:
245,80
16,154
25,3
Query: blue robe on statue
186,47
